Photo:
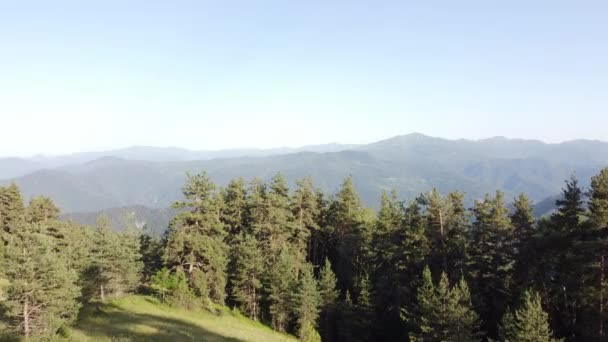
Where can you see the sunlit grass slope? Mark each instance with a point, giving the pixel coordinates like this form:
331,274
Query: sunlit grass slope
141,318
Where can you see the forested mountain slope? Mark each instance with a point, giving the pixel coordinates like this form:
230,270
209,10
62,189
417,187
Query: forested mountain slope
411,164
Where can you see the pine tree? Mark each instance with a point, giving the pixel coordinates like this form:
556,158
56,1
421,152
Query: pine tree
248,268
281,227
151,251
346,215
327,285
42,292
524,233
570,207
413,248
444,313
436,230
345,320
363,322
593,253
491,263
234,210
427,313
522,219
256,218
364,290
308,299
390,218
131,264
41,209
530,323
195,239
281,286
172,288
560,259
322,241
329,298
306,215
447,226
308,333
116,262
458,222
464,322
12,210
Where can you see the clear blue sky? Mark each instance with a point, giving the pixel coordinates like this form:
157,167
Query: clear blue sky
86,75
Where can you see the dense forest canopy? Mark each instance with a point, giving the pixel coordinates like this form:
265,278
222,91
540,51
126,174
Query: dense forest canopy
324,267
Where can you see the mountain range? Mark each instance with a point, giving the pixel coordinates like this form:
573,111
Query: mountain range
152,177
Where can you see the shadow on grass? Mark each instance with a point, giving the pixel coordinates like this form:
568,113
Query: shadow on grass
111,321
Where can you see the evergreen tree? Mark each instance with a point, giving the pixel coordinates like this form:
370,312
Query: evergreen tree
130,260
308,300
413,248
345,318
329,298
593,253
390,218
248,268
530,323
464,322
116,262
257,205
195,239
42,290
281,287
41,209
327,285
444,313
172,287
492,260
522,219
12,210
151,251
363,322
346,216
569,207
308,333
428,313
281,227
524,233
447,227
322,241
233,212
306,215
560,256
436,230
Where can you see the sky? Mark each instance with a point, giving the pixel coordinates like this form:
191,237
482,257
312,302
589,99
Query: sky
93,75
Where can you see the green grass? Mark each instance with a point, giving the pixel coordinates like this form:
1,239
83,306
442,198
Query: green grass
142,318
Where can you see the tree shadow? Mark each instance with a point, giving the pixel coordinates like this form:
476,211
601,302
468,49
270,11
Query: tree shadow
112,321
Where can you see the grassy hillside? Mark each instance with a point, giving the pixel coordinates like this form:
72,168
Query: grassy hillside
141,318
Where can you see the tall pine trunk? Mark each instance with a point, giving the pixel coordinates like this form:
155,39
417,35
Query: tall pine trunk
255,308
102,293
26,319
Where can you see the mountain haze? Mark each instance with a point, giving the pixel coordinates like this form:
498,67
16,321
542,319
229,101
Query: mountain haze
411,164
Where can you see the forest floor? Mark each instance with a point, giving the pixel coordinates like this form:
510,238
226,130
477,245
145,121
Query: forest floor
143,318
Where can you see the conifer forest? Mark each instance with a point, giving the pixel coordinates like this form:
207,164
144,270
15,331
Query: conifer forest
323,267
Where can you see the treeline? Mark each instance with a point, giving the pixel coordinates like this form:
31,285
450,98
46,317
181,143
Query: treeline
53,267
326,267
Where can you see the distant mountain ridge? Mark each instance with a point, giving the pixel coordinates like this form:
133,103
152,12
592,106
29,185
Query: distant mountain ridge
411,164
161,154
